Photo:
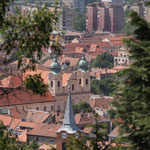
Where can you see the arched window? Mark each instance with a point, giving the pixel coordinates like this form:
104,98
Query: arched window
58,84
79,81
51,83
86,81
72,87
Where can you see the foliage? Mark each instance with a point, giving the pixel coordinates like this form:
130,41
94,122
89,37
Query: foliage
82,107
105,60
7,142
26,36
76,144
79,22
132,102
35,83
96,142
105,87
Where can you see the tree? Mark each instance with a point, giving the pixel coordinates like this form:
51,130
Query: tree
105,60
96,142
7,142
82,107
132,102
26,36
79,21
103,87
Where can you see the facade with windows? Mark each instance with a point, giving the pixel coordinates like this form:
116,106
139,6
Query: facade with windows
79,83
122,59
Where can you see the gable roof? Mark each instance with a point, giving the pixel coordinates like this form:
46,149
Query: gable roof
23,96
37,116
81,119
46,130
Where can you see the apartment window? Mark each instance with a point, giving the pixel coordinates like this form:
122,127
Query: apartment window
58,107
72,87
37,108
79,81
51,83
44,108
58,84
86,81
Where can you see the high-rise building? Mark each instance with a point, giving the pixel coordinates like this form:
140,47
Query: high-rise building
104,18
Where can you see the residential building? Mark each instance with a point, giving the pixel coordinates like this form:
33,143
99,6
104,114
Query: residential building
103,17
139,8
122,59
147,13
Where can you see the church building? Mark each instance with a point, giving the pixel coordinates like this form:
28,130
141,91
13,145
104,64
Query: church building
79,84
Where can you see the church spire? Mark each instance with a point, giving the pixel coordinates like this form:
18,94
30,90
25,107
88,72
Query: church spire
69,124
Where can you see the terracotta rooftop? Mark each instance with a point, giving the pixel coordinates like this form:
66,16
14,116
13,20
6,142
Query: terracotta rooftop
6,120
87,130
48,130
65,78
81,119
114,132
22,96
18,113
37,116
101,103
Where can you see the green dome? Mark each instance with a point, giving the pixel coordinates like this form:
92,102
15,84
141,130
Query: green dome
83,64
55,66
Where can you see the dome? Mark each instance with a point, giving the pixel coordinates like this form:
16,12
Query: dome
55,66
83,64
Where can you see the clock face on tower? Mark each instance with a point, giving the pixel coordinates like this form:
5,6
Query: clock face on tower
64,135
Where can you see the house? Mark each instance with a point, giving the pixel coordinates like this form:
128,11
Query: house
43,133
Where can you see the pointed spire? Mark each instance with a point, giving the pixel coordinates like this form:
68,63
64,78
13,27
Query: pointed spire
69,124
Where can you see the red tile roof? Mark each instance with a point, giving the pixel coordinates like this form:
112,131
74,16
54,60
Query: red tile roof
82,119
102,103
48,130
65,78
6,120
22,96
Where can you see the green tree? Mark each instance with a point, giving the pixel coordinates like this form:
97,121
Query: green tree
96,142
105,87
82,107
105,60
26,36
7,142
132,102
79,21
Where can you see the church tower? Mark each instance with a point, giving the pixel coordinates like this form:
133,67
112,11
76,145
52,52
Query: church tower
84,74
55,78
69,128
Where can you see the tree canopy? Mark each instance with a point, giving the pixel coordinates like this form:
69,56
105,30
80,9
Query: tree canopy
132,97
26,36
104,60
79,21
82,107
103,87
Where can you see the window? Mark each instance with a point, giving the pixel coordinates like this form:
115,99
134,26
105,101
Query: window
37,108
79,81
86,81
58,107
52,108
44,108
58,84
72,87
51,83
